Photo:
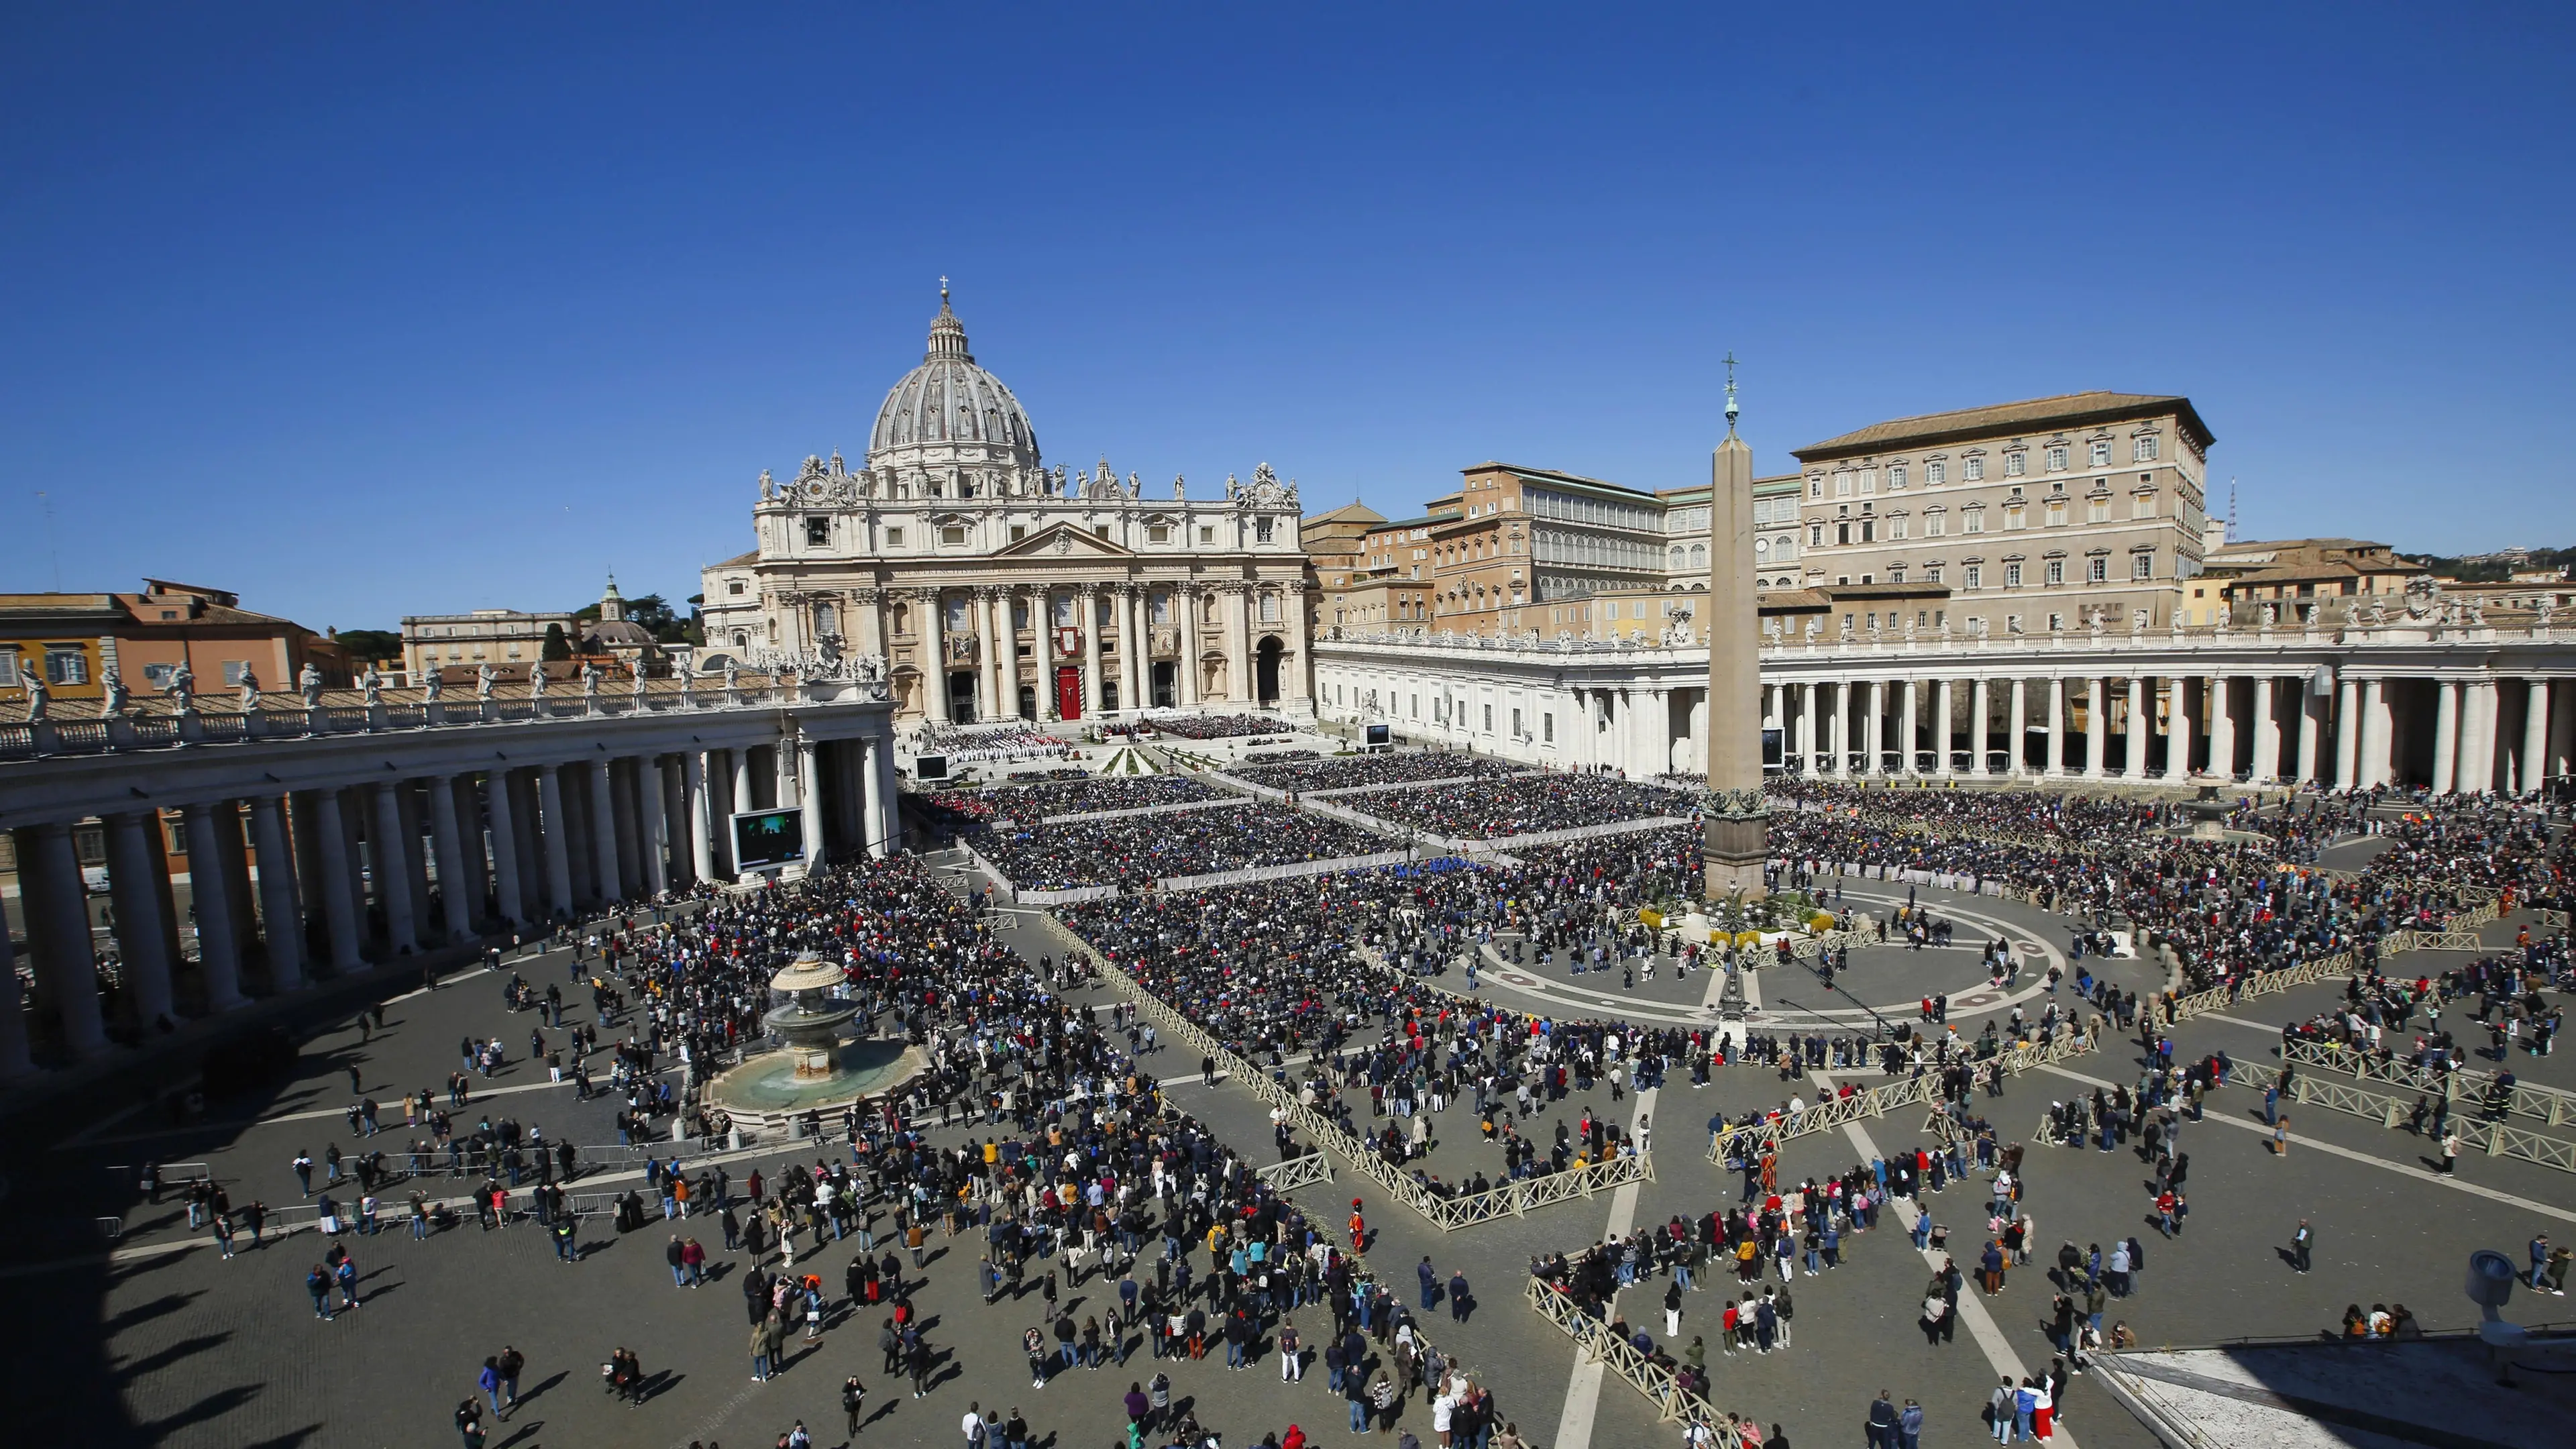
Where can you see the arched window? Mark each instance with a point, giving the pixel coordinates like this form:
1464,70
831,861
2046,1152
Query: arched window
1699,555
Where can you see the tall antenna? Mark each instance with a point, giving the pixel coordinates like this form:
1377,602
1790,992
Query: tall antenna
52,554
2231,508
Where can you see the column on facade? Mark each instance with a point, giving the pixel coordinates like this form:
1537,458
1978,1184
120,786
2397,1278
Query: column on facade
2374,733
1239,609
414,856
869,605
2097,724
872,790
607,882
1143,606
2056,725
15,1058
1086,616
2446,736
1981,716
2222,726
218,937
1131,657
458,891
134,869
934,669
1874,707
1840,733
2142,728
1042,626
988,653
1945,709
232,854
652,824
2178,728
386,867
809,798
2348,717
1909,720
2479,764
700,818
2267,731
1185,611
344,914
557,828
57,910
1809,727
1775,711
509,901
2312,722
2017,728
281,922
2527,770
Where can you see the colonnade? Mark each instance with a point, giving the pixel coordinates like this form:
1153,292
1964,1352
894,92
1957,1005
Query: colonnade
1010,643
298,860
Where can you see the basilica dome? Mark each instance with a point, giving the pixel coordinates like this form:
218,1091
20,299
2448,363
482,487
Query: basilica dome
948,410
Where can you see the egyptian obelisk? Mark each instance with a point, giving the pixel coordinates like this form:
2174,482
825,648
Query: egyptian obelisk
1735,824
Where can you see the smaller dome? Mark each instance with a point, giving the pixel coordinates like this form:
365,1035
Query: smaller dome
948,400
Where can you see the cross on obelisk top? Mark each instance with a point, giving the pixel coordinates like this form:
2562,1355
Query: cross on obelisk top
1730,391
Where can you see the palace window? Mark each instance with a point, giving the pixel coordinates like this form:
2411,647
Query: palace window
2015,464
2143,566
1935,474
2057,457
1261,529
2142,505
2101,452
1895,477
953,535
2097,510
1932,573
1974,576
65,666
735,588
2012,575
2056,571
2143,450
1896,526
2097,569
2057,513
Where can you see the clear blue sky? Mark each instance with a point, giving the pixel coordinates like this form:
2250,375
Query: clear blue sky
364,313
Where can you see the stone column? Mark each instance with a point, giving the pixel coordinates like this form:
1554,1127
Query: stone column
458,892
281,924
1842,729
700,814
142,935
1086,613
1775,709
1140,607
2312,725
2017,728
218,937
1006,653
344,913
414,857
2446,736
1122,607
57,910
558,840
2267,732
509,902
387,867
2097,725
2178,729
809,802
2528,767
1873,699
1185,607
2056,725
652,827
869,607
888,829
1810,724
2222,728
934,635
2348,735
2142,727
1042,626
2479,755
15,1060
1941,717
2374,733
1909,726
1981,705
607,884
1239,639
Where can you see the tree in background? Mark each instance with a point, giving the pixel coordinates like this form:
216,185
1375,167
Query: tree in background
368,646
556,645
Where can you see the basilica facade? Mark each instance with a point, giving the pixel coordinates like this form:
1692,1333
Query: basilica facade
992,587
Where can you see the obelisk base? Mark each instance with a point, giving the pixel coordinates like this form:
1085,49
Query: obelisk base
1733,849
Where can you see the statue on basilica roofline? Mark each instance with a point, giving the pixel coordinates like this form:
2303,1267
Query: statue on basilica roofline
249,690
117,696
484,679
183,687
537,680
590,678
433,685
374,684
40,695
309,683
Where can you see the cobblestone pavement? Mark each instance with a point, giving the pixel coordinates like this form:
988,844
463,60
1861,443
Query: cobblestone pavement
159,1342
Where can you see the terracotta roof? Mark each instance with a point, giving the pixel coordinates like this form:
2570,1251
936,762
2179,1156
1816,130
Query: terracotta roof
737,561
1351,512
2070,410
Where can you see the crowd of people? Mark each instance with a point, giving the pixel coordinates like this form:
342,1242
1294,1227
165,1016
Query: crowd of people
1215,726
990,744
1137,850
1091,794
1524,805
1395,767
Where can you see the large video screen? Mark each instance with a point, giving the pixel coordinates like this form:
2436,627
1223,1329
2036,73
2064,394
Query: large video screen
767,837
